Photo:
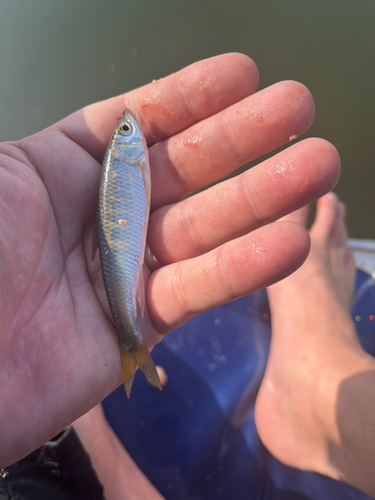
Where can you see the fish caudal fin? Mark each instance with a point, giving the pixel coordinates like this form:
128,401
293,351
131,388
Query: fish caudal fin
133,358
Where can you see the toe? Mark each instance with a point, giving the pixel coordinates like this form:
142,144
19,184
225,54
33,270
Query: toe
326,216
339,232
299,216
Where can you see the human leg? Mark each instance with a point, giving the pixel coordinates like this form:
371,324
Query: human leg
316,403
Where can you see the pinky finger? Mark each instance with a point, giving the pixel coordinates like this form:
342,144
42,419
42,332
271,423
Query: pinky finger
242,266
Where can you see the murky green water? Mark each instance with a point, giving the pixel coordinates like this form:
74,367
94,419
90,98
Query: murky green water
58,55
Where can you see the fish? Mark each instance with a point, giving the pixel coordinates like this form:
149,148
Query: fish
120,235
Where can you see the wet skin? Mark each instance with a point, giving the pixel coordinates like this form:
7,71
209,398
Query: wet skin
315,409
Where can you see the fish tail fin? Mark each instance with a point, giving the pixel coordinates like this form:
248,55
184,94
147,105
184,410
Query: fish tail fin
128,368
133,358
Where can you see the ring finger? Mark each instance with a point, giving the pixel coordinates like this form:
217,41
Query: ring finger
280,185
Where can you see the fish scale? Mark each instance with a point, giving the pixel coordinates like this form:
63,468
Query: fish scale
130,204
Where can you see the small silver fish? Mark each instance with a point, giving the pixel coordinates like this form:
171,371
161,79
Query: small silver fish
120,234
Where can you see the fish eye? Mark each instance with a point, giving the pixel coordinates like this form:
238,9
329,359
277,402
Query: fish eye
125,129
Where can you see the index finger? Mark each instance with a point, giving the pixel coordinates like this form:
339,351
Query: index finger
169,105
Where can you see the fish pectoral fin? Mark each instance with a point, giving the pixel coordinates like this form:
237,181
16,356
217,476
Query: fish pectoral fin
133,358
94,244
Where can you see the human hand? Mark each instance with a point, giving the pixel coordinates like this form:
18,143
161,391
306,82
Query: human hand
58,351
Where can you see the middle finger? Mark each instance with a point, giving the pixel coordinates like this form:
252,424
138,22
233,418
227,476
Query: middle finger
289,180
215,147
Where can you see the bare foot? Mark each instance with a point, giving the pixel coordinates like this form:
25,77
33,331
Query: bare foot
313,348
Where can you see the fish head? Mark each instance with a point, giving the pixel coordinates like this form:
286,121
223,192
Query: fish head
128,140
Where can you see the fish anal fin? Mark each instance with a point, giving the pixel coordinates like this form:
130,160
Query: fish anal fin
94,244
133,358
141,292
149,257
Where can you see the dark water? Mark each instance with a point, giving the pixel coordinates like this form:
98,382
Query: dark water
58,55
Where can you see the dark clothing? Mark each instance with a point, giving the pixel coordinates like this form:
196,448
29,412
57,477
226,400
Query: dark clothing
59,470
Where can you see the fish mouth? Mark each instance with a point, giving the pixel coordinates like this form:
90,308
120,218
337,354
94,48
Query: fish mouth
127,114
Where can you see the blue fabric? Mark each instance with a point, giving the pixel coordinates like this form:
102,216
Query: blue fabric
183,437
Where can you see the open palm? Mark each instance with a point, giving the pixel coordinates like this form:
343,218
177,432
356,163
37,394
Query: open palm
58,351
